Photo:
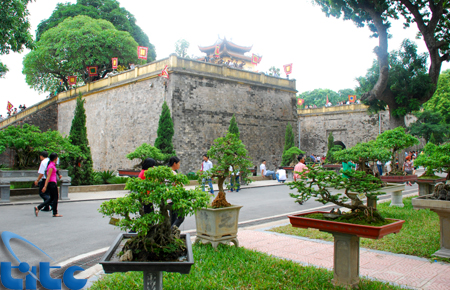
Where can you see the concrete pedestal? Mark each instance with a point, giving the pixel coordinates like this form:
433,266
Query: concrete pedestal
426,186
444,220
153,280
64,190
5,191
346,260
397,199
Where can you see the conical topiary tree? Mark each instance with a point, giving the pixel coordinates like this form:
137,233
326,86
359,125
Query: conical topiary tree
165,131
233,128
289,142
80,168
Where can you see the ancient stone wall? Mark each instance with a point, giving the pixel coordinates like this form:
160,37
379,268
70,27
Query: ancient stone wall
202,107
349,124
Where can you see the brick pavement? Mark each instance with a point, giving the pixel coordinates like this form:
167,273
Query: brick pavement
409,271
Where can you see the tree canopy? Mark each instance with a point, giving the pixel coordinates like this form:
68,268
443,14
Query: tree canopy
441,98
165,132
318,97
432,20
14,28
430,123
408,83
73,45
109,10
181,47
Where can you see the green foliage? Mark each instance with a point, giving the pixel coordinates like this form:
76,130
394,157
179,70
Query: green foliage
80,166
274,71
289,142
148,151
165,132
181,47
330,143
106,174
228,151
233,128
117,180
408,80
70,47
331,149
159,186
430,122
362,153
14,26
435,158
290,156
441,98
318,97
319,183
395,140
192,176
108,10
28,141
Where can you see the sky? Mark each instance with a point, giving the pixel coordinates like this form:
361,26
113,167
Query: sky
326,53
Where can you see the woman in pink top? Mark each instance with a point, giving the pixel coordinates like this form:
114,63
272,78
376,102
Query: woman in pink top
50,187
300,167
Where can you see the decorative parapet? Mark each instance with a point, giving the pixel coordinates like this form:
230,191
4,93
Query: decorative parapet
333,110
151,70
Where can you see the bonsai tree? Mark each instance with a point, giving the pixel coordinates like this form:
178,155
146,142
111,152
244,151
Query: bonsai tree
319,183
435,158
148,151
165,132
290,156
395,140
80,166
27,141
155,240
362,153
226,151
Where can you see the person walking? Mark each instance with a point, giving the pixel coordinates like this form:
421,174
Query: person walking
234,178
300,167
50,185
148,163
40,181
380,167
175,218
206,166
408,167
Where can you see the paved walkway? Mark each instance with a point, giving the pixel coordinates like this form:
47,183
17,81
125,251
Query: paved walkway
410,271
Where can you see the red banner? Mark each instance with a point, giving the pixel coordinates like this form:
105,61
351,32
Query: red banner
114,62
256,59
300,102
92,70
164,73
72,80
142,52
9,106
287,68
351,98
217,51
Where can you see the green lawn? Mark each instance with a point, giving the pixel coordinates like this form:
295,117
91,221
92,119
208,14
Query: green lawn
419,235
229,267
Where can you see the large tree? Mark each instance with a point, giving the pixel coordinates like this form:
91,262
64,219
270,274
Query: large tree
408,81
430,123
181,47
441,98
73,45
432,20
14,26
109,10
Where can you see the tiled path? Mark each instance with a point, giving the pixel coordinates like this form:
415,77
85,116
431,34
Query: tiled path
404,270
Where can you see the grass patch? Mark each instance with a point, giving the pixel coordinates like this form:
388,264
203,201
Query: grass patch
419,235
229,267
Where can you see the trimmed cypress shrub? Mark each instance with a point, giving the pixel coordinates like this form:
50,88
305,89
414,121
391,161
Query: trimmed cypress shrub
165,132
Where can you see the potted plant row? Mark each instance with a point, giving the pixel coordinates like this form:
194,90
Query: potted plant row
155,245
348,226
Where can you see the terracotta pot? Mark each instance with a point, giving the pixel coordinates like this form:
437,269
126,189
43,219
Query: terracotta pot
129,172
334,166
371,232
398,178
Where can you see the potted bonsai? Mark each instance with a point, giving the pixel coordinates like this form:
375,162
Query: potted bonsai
365,153
439,202
155,246
347,228
141,153
434,158
396,140
218,223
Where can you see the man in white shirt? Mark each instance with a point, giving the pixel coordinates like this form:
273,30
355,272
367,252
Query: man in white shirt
265,172
281,175
207,165
42,177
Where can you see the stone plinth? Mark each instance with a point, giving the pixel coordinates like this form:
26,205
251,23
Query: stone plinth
442,208
346,260
426,186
